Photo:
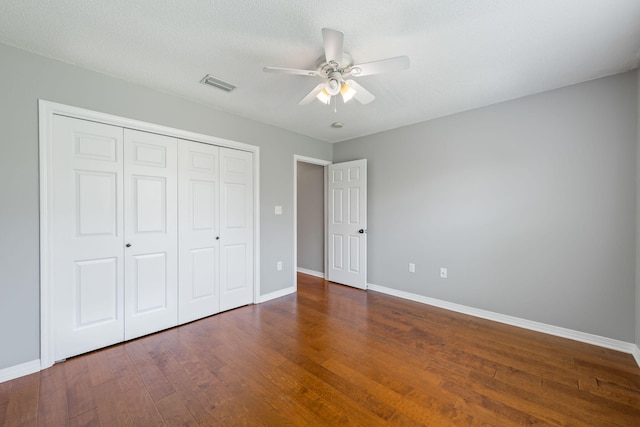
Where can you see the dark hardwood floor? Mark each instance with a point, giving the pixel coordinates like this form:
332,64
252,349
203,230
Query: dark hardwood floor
332,355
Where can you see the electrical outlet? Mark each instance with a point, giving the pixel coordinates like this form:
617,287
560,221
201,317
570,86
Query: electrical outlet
443,272
412,267
279,265
277,210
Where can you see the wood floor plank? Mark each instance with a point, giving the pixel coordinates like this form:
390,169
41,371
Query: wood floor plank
258,375
174,412
331,355
264,404
427,410
52,404
347,409
288,385
406,408
86,419
5,394
79,391
535,403
625,376
613,391
201,405
100,371
22,406
111,407
139,404
497,410
156,383
374,354
141,407
597,407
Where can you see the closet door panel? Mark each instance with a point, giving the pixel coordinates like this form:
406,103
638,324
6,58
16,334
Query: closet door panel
149,283
236,228
198,200
87,226
151,233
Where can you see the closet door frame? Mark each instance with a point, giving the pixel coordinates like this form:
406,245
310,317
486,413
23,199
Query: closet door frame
47,110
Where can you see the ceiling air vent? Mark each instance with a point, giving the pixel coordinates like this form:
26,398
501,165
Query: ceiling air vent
217,83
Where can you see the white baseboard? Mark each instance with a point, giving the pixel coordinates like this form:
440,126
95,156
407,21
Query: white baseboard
600,341
636,354
21,370
276,294
311,272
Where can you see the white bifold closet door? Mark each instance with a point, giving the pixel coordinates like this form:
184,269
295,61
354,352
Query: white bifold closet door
236,228
114,223
87,227
150,233
216,229
199,207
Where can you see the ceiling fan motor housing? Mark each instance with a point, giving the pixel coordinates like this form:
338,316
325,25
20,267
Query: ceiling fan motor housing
334,82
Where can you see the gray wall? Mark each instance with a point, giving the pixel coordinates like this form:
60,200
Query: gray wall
24,79
529,204
310,216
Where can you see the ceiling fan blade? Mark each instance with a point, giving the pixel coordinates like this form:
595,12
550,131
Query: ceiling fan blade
311,95
290,71
388,65
333,45
362,95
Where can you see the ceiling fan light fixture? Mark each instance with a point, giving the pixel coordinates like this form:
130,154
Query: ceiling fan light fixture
324,96
347,92
332,87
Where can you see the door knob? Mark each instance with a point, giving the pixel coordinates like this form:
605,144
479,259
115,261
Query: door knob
128,245
217,237
361,231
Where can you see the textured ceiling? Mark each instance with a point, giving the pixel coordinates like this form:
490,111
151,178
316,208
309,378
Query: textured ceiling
464,54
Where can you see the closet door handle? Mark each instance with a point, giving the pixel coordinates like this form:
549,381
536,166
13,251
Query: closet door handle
217,237
128,245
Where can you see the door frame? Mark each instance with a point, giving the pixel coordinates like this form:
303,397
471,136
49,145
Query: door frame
46,111
324,163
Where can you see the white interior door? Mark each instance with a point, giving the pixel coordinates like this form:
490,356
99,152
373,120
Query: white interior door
199,230
347,223
88,279
236,228
151,258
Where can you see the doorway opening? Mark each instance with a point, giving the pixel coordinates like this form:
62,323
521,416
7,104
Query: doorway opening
309,202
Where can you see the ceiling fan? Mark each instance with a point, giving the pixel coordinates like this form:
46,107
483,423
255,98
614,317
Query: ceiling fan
336,66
